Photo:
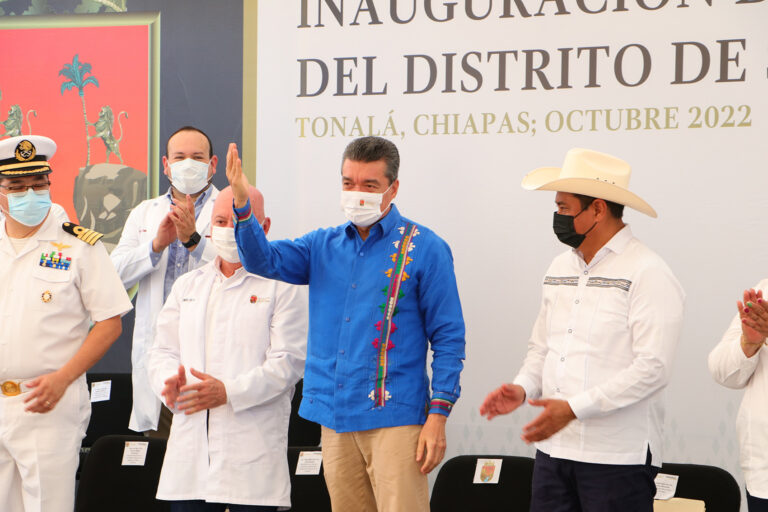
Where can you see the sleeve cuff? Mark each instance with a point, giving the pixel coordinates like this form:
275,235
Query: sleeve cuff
441,405
244,214
154,257
532,390
235,394
583,406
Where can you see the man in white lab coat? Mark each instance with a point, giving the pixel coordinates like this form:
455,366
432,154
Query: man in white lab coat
228,350
160,242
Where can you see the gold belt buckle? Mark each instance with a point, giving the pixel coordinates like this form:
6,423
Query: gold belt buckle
11,388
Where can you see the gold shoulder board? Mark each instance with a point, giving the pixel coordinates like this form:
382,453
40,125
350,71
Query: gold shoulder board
87,235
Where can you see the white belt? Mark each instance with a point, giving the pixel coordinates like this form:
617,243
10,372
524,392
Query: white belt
14,387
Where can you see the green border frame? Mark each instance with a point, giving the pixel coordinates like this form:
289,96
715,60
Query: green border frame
250,87
152,21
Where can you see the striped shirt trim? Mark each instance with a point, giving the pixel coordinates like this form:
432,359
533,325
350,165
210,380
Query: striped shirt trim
244,216
561,281
441,403
605,282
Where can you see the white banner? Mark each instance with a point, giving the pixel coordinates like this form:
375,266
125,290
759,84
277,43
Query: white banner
478,93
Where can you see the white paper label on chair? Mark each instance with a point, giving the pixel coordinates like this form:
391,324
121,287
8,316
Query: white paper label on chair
135,453
487,471
666,485
100,391
309,463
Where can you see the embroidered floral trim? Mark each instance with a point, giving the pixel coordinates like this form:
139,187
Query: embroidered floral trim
397,275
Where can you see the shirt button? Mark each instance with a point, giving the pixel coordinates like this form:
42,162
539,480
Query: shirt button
562,359
557,389
341,351
346,319
586,272
577,301
178,264
362,253
354,285
570,331
341,385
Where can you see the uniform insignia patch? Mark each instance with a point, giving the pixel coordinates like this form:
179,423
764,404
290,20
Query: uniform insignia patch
87,235
55,260
61,247
25,151
47,296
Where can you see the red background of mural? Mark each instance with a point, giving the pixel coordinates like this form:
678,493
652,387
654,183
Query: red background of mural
29,76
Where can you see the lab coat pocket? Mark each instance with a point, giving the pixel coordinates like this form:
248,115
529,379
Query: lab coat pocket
256,433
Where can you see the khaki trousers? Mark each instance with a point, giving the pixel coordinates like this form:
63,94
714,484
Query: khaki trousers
374,470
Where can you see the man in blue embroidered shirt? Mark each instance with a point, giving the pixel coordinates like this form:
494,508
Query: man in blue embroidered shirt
381,291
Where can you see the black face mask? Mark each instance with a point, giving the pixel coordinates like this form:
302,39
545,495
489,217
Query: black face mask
566,233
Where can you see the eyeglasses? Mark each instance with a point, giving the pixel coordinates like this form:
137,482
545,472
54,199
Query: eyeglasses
37,187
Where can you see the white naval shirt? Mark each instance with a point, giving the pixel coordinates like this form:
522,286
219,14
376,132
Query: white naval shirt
604,341
45,312
251,333
731,368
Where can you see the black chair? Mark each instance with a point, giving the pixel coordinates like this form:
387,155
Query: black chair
714,486
308,492
108,416
454,490
105,484
301,432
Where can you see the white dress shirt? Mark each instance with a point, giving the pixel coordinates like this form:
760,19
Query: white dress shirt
251,333
604,341
731,368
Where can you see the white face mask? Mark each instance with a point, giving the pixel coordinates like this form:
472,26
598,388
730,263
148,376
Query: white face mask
189,176
362,208
223,239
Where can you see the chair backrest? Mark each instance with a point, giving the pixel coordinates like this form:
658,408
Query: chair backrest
110,416
454,490
106,484
301,432
714,486
308,492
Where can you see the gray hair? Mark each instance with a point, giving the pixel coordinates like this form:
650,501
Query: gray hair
373,149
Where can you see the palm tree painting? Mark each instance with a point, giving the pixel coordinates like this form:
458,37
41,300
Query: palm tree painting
75,74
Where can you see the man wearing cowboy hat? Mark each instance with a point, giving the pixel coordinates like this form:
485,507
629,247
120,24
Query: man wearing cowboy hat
601,348
57,279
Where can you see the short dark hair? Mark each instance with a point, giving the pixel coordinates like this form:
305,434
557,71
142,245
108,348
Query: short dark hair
191,129
373,149
616,209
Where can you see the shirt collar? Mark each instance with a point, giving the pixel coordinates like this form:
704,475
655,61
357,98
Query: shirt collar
616,244
238,276
200,199
620,240
384,225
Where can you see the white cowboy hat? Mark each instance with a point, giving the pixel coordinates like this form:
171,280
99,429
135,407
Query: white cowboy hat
589,173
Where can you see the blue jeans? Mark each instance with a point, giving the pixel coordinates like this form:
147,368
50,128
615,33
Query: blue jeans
204,506
562,485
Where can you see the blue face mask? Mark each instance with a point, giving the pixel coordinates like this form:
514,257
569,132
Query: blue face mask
29,208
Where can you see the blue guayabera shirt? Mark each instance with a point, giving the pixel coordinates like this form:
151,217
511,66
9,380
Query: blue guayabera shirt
357,377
